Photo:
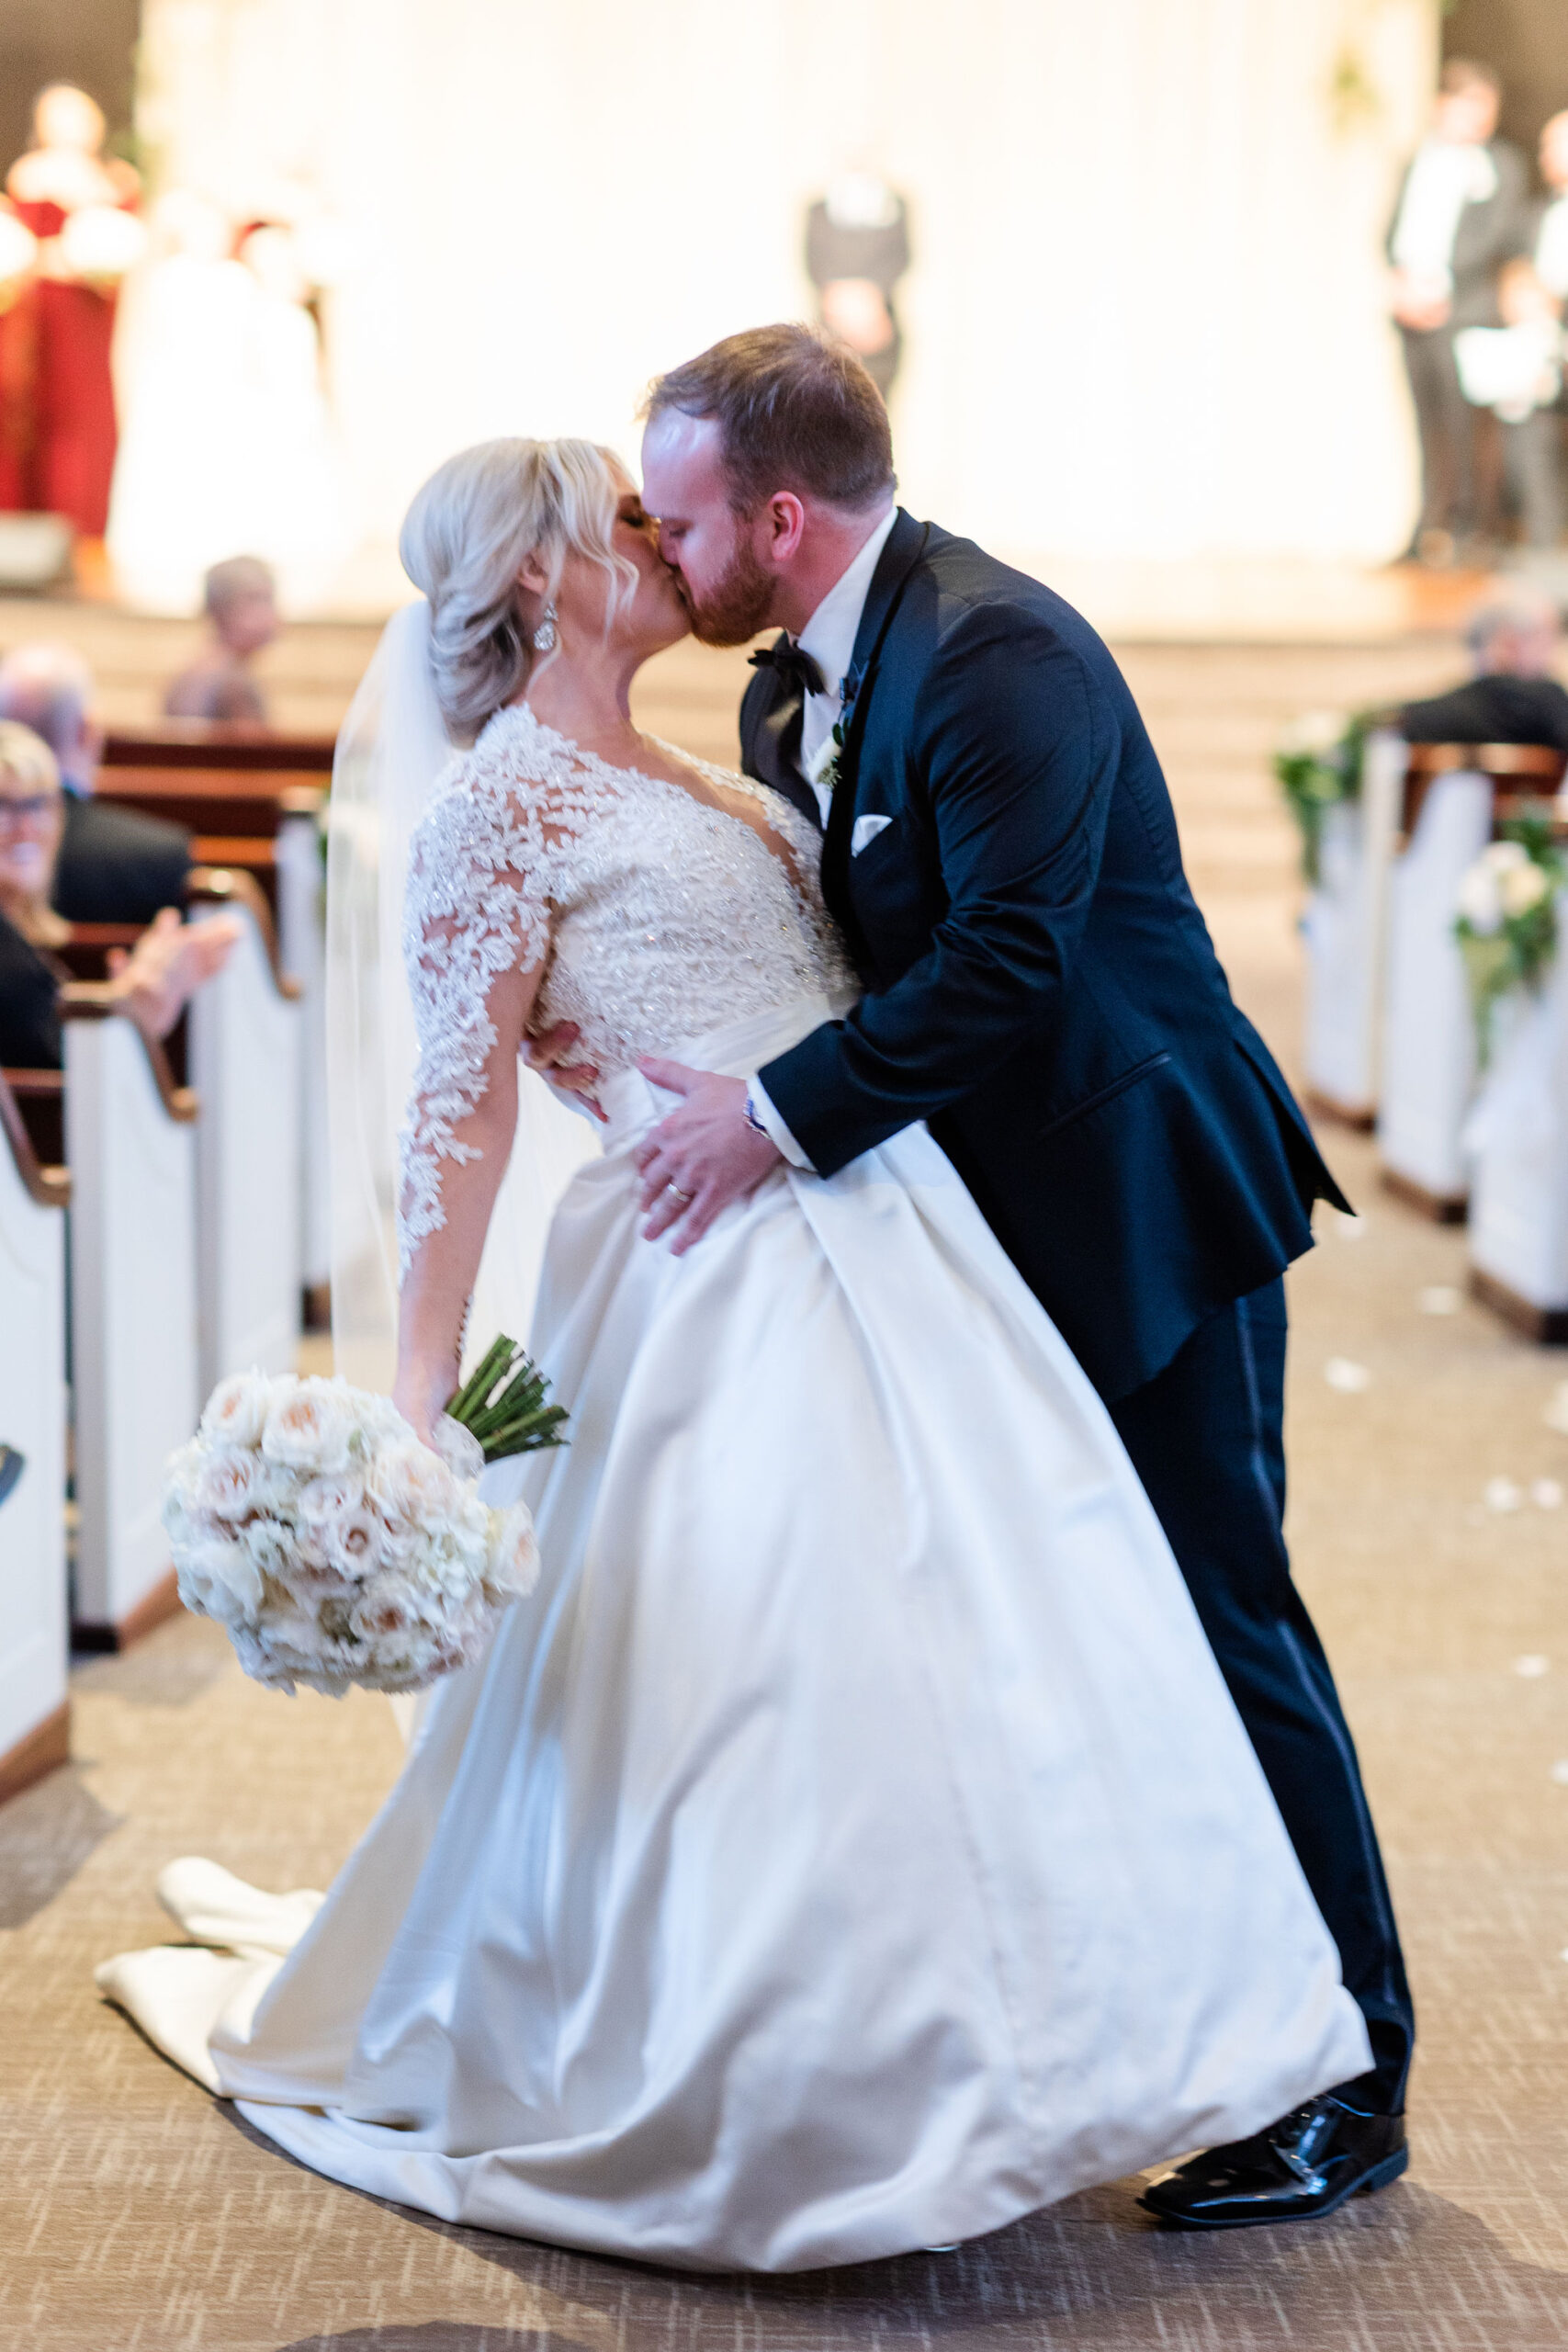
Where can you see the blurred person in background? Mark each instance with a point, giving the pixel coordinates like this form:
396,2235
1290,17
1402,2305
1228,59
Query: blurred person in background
114,865
857,248
1515,370
1512,697
57,404
151,982
1551,238
241,601
1461,214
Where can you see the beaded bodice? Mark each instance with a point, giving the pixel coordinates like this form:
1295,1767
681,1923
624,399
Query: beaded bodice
656,916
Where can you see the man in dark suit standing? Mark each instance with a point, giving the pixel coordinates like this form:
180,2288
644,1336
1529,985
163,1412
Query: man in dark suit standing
1001,849
1462,213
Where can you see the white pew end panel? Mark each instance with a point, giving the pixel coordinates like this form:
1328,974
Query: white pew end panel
131,1138
1343,929
1518,1135
245,1065
34,1713
1428,1031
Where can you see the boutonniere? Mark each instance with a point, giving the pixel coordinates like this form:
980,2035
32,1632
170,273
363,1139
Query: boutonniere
829,767
826,768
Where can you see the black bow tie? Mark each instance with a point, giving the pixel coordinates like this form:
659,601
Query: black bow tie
794,665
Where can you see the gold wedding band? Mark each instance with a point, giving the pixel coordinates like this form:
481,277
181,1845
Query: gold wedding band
679,1195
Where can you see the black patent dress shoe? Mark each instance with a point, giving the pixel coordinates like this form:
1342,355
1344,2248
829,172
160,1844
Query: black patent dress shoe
1299,2170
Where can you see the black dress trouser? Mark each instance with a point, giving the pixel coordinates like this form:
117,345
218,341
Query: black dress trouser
1206,1438
1446,423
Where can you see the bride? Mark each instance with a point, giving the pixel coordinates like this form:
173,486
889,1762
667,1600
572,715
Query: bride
851,1845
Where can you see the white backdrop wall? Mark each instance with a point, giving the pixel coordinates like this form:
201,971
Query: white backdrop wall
1144,316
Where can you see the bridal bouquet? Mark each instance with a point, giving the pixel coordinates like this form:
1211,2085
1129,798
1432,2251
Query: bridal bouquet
334,1546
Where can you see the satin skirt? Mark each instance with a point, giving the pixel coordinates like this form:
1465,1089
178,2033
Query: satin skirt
851,1845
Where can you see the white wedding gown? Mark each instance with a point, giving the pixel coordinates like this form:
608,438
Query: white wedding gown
851,1845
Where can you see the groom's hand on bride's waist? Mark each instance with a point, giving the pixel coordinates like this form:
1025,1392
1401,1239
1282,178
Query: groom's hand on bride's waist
705,1155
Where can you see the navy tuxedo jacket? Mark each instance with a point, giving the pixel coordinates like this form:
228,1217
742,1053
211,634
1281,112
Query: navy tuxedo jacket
1040,984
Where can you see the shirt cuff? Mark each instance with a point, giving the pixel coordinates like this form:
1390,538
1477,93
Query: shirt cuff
768,1119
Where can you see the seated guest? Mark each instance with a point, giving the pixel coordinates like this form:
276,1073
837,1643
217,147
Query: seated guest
153,982
114,865
243,612
1512,697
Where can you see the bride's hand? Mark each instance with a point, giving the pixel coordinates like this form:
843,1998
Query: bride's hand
419,1392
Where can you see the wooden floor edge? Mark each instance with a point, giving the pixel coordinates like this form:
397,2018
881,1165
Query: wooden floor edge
46,1748
1547,1326
1439,1208
1361,1117
153,1608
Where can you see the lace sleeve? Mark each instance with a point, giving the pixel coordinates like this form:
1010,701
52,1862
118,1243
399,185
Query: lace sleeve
477,905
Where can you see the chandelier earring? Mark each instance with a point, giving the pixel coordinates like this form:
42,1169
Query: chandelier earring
546,636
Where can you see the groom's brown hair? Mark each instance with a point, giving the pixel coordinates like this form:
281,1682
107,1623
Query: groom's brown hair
796,410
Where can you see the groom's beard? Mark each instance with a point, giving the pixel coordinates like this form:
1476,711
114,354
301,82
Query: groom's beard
737,607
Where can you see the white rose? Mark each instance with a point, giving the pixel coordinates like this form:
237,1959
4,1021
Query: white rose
234,1484
1317,732
359,1544
408,1483
457,1447
237,1409
381,1424
1523,888
513,1562
391,1611
1481,899
219,1579
325,1502
308,1425
270,1544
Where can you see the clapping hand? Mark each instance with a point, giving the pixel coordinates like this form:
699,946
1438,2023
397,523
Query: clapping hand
155,980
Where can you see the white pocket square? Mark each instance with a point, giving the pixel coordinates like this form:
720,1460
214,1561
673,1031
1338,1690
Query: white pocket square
865,832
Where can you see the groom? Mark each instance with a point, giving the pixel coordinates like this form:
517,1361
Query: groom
999,848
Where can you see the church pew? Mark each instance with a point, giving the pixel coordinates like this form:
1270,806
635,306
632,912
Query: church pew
1454,798
34,1718
1518,1139
1343,928
244,1050
234,815
251,800
130,1135
206,744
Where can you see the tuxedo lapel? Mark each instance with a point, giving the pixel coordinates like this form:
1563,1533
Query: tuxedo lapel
906,544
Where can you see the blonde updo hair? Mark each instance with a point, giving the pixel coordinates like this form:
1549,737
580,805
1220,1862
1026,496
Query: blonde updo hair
467,536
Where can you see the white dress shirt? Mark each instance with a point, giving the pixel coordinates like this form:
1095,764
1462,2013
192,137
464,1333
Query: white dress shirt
830,637
1444,177
1551,248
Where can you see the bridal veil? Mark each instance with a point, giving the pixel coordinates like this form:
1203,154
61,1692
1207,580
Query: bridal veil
392,754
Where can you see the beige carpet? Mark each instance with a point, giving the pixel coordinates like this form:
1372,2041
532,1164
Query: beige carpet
136,2215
